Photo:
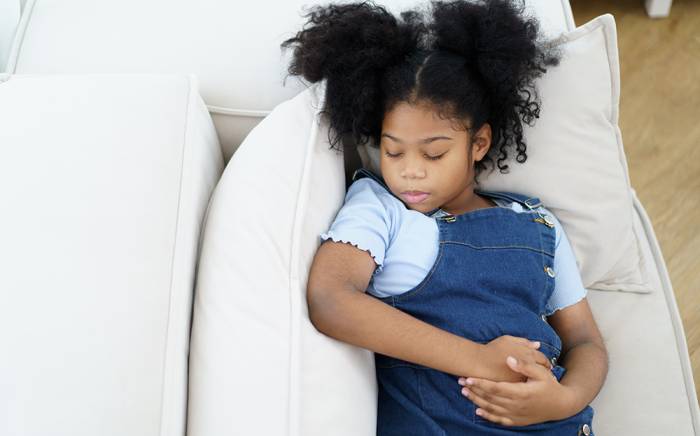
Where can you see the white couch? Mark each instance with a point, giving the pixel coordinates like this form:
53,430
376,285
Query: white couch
123,223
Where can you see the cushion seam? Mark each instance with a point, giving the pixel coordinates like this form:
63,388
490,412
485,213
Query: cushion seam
178,216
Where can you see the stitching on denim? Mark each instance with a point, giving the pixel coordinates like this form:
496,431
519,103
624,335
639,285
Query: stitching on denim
548,235
557,354
502,247
418,385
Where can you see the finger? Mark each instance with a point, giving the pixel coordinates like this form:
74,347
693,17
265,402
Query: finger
527,342
529,370
485,404
492,388
505,421
497,400
541,359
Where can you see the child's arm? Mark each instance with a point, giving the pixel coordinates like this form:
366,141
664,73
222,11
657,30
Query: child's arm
340,308
542,398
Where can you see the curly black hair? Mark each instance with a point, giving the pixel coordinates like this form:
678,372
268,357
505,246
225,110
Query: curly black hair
474,61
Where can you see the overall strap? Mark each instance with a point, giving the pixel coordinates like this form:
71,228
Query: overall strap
528,202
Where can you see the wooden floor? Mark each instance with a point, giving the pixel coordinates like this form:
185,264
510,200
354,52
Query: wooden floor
660,122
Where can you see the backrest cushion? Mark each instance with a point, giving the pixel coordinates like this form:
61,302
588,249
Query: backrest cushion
257,364
104,182
232,47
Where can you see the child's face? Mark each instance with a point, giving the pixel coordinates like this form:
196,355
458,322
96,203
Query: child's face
429,162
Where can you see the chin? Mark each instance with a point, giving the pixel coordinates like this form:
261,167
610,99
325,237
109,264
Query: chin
422,208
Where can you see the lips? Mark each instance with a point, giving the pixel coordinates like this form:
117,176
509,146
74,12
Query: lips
414,197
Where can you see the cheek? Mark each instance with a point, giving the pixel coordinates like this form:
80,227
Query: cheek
388,170
384,166
389,165
455,166
453,175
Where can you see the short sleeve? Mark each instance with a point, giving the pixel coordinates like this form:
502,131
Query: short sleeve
568,287
364,221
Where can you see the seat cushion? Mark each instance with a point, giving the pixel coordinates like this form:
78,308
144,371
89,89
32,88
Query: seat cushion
104,183
649,389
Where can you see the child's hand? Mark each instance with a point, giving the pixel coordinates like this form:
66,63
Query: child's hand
496,352
542,398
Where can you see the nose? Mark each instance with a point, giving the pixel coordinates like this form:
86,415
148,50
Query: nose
413,169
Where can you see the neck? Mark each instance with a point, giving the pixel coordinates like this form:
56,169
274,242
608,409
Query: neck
467,201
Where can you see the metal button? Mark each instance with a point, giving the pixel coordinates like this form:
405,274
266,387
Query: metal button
548,220
586,430
550,272
553,360
544,221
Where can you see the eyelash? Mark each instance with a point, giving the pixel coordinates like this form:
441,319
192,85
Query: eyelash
426,156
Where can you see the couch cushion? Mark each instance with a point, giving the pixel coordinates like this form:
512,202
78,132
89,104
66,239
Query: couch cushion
104,183
232,47
257,364
649,390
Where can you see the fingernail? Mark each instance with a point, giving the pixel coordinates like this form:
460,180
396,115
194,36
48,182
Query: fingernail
537,343
461,381
512,360
478,412
465,392
470,381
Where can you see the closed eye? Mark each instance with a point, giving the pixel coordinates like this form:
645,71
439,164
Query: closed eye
393,154
435,157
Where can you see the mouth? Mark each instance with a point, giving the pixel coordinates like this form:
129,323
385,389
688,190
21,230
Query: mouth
414,197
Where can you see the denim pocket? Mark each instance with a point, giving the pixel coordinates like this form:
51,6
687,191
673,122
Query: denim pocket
401,405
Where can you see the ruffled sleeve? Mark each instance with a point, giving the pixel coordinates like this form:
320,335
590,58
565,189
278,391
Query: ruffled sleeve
364,221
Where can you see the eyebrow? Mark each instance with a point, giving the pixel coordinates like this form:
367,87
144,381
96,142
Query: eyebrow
422,141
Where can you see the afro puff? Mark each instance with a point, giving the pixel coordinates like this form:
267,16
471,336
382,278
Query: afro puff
474,61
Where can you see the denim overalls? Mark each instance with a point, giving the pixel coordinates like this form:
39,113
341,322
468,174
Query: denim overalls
492,277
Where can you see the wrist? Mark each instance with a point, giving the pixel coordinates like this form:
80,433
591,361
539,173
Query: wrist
476,360
568,403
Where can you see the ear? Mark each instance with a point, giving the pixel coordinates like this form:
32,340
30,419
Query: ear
481,142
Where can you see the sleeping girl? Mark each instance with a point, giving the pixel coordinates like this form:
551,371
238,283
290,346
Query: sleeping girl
470,299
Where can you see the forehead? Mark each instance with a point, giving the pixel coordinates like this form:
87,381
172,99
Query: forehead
407,120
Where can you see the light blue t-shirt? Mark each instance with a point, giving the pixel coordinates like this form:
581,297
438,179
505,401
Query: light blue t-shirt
404,243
